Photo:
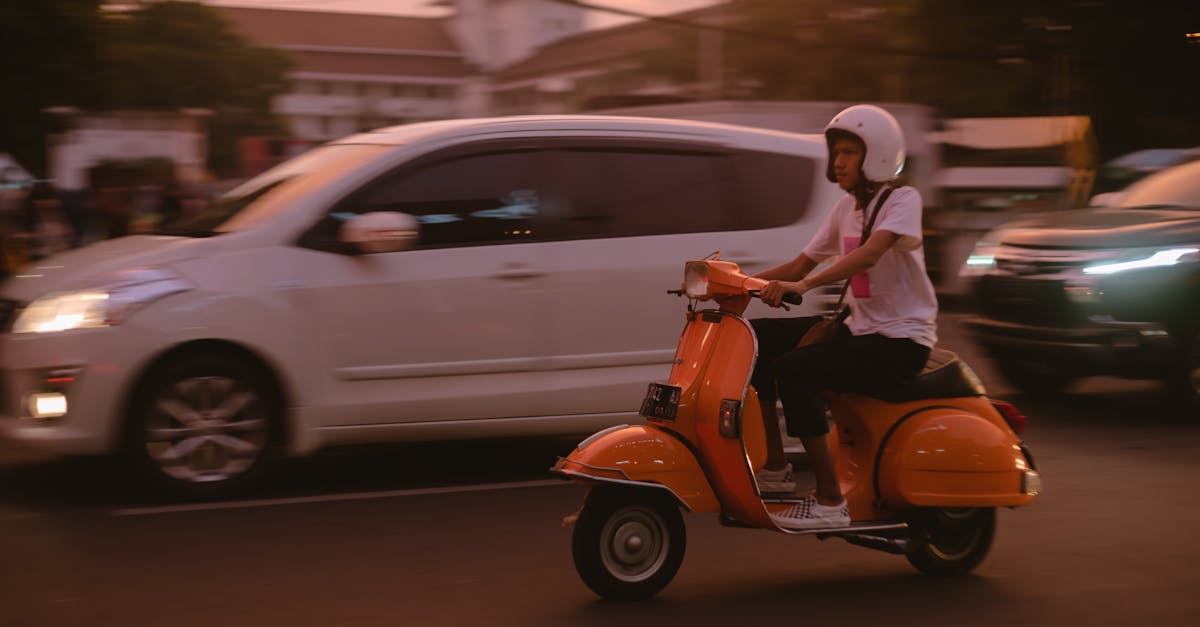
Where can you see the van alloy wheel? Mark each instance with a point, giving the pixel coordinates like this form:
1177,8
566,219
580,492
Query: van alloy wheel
204,425
205,429
1186,383
1033,377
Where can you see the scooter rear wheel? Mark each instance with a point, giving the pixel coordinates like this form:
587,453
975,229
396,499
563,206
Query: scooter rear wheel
628,543
951,541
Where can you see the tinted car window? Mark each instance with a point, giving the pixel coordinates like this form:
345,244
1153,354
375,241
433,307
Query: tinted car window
477,199
618,193
774,189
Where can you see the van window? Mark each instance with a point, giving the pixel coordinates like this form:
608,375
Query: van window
478,199
774,190
620,193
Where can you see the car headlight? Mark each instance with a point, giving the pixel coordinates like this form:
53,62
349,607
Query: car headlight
1148,259
103,306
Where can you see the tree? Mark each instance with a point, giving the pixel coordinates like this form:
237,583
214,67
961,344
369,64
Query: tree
159,56
170,55
54,55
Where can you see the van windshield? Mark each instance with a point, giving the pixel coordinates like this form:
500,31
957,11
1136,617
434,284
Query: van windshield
1174,187
240,207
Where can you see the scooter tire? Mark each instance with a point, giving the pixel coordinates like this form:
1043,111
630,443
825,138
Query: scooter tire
950,541
628,543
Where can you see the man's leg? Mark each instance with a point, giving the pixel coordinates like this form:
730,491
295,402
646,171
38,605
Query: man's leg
776,460
820,460
776,337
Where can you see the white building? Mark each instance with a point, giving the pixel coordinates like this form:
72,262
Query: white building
356,72
93,138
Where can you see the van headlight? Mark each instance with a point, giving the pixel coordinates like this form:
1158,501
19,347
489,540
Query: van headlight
1148,259
104,306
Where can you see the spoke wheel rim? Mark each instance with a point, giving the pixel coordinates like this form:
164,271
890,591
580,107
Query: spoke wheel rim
634,544
206,429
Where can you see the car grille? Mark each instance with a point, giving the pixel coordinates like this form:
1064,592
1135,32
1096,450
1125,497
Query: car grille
1041,302
1025,266
8,313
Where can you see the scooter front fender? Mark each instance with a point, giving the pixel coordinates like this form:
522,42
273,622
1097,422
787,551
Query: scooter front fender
645,456
946,457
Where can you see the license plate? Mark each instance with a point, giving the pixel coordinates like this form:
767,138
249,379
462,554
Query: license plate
661,402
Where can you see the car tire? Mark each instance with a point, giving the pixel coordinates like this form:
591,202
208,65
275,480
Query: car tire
1186,381
204,425
1032,377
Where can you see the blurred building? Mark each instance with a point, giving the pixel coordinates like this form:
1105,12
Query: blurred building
357,71
490,57
177,139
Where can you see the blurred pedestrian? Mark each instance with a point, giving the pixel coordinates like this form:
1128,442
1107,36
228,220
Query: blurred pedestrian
45,229
171,204
114,210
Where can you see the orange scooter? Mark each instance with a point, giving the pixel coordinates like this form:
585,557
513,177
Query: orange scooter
922,474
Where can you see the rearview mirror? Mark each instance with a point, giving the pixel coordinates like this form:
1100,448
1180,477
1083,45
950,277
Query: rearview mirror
380,232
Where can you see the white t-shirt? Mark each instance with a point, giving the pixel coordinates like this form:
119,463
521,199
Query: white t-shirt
895,297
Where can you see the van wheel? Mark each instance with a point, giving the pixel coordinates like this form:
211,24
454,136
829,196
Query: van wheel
951,541
204,425
1186,382
1033,377
628,543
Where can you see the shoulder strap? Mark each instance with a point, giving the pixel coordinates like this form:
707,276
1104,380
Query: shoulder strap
866,232
867,226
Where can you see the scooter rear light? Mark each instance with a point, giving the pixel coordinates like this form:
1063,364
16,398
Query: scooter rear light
1013,416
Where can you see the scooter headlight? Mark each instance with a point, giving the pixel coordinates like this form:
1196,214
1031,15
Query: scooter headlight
695,279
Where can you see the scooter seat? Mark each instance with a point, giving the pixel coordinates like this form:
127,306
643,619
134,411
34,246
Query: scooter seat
944,376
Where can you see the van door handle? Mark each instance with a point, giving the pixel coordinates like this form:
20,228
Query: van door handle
746,261
517,273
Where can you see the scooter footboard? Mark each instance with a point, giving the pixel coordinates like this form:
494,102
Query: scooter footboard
642,454
949,458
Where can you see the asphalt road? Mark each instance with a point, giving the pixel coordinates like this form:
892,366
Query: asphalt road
470,534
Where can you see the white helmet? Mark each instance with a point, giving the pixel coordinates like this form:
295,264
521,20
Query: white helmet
881,137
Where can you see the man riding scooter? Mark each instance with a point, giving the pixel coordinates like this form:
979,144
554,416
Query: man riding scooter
924,456
875,234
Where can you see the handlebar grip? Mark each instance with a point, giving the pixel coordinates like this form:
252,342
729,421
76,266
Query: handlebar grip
790,298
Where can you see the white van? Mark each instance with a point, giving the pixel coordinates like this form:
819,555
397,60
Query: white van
463,278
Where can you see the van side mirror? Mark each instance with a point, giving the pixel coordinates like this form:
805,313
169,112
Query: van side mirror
380,232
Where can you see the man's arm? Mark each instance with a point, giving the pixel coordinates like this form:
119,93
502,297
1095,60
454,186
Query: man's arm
793,270
858,260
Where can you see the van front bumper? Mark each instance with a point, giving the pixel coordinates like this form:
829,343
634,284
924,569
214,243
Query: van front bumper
84,368
1131,349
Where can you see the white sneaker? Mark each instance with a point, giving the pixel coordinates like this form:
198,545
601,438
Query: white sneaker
776,480
809,514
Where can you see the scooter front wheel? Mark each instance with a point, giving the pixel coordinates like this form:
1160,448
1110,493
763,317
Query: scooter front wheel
951,541
628,542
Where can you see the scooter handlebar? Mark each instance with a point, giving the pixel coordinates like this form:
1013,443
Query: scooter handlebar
791,298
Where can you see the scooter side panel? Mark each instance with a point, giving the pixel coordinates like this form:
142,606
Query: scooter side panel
951,458
726,377
644,454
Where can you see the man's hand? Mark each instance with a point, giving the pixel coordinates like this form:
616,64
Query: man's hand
772,293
